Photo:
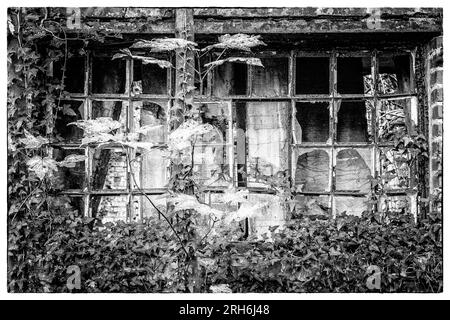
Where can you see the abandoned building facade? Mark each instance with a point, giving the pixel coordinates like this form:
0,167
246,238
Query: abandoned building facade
338,89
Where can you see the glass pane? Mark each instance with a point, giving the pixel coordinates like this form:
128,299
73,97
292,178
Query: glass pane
351,206
108,76
150,78
267,151
312,170
352,73
109,169
395,168
230,79
141,207
312,75
353,169
394,74
151,168
272,80
71,112
392,121
211,150
313,122
312,206
109,208
74,75
354,121
73,174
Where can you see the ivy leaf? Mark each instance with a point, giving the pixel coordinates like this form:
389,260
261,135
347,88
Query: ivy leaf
67,110
42,166
32,142
237,41
164,44
97,126
71,160
126,53
220,288
250,61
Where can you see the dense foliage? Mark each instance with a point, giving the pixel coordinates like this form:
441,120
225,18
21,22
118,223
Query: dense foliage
46,235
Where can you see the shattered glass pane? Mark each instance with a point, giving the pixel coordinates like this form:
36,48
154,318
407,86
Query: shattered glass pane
153,79
351,206
71,111
152,164
109,169
312,75
230,79
352,73
109,208
267,152
108,76
313,122
392,119
394,74
141,207
272,80
312,206
354,121
353,170
70,176
395,168
312,173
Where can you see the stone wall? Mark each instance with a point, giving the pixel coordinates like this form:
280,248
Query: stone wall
435,114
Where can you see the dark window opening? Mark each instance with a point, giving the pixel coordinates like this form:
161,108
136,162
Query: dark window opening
71,112
312,75
272,79
108,76
230,79
150,78
352,122
71,176
74,74
241,145
351,74
313,119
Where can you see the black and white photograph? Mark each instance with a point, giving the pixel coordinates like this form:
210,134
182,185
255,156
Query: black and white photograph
224,150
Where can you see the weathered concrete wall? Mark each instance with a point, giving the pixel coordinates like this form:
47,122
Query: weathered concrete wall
435,115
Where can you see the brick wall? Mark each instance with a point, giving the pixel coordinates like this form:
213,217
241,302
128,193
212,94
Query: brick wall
435,111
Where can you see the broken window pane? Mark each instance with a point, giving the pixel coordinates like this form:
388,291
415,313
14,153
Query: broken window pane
201,76
211,151
109,208
352,73
150,78
141,207
312,75
108,76
353,169
313,122
72,175
394,74
272,80
354,121
117,110
74,75
312,206
109,169
351,206
151,165
312,170
240,117
392,119
395,168
230,79
71,111
267,125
